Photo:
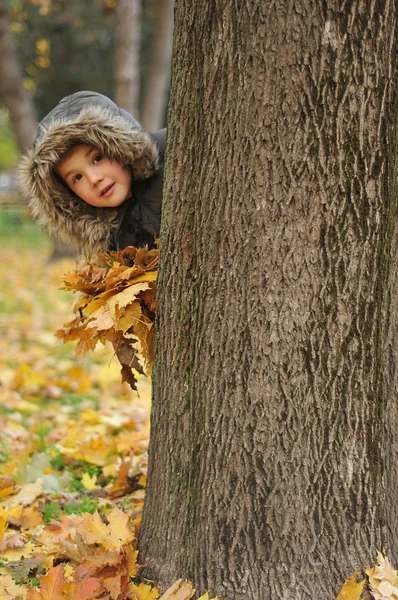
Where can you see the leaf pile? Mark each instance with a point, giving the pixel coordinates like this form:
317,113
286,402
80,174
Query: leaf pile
379,582
73,451
116,303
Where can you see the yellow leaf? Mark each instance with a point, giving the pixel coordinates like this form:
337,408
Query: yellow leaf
89,483
143,591
128,316
127,296
3,523
352,590
113,536
17,553
27,495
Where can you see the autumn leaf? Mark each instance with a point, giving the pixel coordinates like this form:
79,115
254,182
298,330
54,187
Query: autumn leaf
81,589
383,579
27,495
117,304
142,591
89,483
353,587
113,536
180,590
52,586
9,590
3,522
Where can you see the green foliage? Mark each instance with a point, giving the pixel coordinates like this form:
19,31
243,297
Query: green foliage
8,145
57,461
87,505
51,511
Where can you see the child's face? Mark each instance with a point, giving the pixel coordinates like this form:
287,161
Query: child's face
96,179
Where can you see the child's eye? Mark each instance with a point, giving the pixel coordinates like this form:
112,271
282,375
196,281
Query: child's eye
97,158
77,178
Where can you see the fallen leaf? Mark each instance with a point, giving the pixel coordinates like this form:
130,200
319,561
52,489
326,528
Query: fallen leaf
353,587
52,586
27,495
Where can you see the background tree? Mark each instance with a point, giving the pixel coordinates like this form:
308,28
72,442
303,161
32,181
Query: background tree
127,53
157,78
272,467
64,47
14,95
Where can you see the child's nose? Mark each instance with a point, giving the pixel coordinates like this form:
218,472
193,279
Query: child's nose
94,176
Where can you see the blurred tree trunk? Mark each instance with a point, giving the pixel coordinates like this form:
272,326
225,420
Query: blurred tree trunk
127,52
14,95
158,76
273,453
19,103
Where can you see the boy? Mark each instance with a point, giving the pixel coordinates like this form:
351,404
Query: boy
94,179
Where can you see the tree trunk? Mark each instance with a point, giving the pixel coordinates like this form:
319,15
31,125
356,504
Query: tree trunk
15,97
273,455
127,55
158,76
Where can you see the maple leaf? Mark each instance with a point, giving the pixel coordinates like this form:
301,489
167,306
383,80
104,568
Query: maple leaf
27,495
113,536
352,587
9,590
3,522
142,591
7,486
81,589
113,585
383,579
52,585
94,562
180,590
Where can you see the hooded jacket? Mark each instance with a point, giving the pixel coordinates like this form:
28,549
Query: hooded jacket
93,119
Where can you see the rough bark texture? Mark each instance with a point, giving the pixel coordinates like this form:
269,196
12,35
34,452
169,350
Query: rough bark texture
127,55
158,75
273,457
14,95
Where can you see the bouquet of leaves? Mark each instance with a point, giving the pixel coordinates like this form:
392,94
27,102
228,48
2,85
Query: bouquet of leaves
116,303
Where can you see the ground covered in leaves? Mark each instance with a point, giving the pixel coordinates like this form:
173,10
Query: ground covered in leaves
73,445
74,440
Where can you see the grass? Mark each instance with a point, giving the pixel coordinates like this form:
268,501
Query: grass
17,231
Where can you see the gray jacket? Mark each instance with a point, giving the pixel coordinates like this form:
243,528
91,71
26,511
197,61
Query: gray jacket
93,119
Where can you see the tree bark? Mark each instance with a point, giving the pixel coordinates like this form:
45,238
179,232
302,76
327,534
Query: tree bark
127,53
158,75
273,454
15,97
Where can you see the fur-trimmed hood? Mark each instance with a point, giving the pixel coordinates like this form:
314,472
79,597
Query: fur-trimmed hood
85,118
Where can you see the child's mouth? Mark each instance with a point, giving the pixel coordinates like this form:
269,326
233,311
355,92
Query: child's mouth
107,191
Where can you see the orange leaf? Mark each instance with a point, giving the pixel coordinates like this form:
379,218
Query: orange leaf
81,590
52,586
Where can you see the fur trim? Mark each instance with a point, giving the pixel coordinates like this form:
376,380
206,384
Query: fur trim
52,203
